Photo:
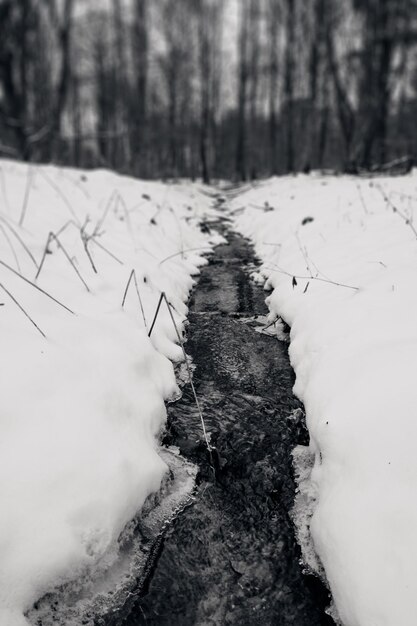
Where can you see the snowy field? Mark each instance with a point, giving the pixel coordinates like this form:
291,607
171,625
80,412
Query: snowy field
82,387
340,258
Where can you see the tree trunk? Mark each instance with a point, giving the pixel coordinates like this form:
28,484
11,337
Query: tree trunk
289,85
344,108
205,83
241,167
140,55
64,41
273,18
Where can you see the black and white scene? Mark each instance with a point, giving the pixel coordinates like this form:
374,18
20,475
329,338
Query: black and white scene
208,305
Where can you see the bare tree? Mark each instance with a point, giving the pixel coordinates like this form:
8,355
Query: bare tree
140,49
273,16
22,25
242,101
208,15
122,87
289,72
344,107
384,27
254,58
316,123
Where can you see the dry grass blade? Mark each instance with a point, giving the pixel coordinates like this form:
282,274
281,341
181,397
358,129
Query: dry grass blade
20,240
59,192
100,222
133,275
406,220
45,252
6,236
362,199
65,226
11,296
187,364
87,251
84,238
156,314
45,293
128,221
4,189
52,236
106,250
171,256
29,181
321,280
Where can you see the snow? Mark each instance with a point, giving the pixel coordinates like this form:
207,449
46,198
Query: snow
82,407
352,309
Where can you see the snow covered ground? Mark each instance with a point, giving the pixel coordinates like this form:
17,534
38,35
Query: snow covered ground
340,256
82,387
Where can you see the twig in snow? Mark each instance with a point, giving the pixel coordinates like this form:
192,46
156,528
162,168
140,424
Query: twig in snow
45,293
133,275
365,208
395,209
322,280
308,260
11,296
84,238
171,256
277,319
29,181
403,195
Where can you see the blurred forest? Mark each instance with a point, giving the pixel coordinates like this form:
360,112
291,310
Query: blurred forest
232,89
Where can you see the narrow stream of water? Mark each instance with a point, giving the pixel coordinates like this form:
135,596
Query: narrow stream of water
231,557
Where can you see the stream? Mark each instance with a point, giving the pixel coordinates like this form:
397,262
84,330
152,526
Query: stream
231,556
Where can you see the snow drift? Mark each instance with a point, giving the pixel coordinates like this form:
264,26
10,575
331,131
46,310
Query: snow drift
340,256
82,387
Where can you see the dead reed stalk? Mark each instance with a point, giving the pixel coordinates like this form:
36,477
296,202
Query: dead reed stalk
11,296
133,276
187,364
35,286
29,180
51,237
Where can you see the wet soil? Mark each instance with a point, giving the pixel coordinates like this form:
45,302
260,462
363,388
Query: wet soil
231,557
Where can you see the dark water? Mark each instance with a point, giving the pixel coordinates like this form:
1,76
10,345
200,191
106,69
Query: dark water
231,557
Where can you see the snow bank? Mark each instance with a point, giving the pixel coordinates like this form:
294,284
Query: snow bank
340,256
82,387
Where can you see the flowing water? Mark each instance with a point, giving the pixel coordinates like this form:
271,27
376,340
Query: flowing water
231,557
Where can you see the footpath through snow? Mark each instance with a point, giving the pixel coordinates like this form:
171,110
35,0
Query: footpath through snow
82,387
340,256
